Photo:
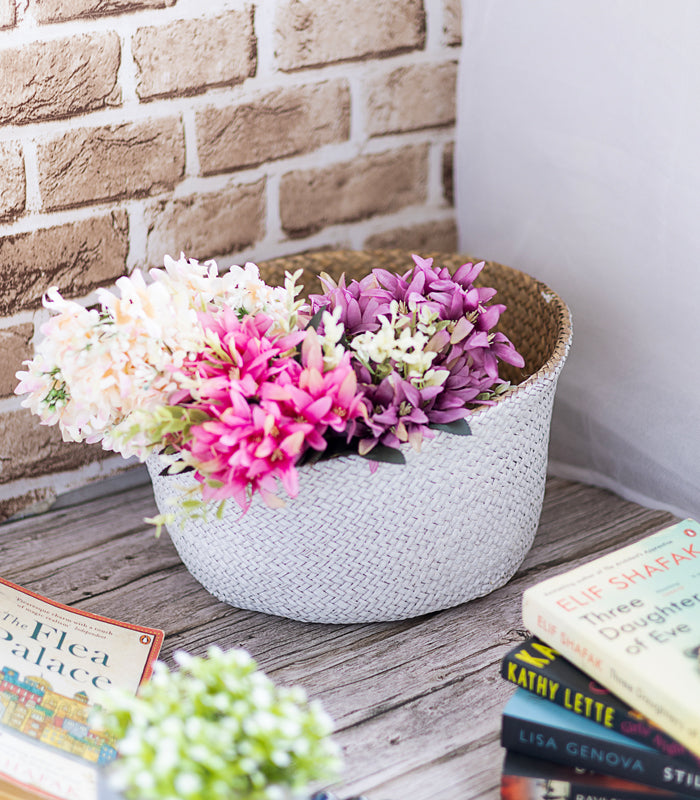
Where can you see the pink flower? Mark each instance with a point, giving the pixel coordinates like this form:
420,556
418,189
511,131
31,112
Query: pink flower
263,407
243,449
323,399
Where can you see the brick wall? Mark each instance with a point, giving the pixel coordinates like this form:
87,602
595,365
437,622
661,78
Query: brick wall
232,129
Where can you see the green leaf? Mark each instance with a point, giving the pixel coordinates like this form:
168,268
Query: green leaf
390,455
460,427
315,321
502,388
191,504
310,456
175,469
335,446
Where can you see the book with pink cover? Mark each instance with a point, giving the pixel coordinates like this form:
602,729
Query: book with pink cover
54,663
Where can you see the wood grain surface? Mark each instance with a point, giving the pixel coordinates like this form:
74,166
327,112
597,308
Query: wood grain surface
416,703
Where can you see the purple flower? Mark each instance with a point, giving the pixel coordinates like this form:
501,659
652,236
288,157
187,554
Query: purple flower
361,303
443,358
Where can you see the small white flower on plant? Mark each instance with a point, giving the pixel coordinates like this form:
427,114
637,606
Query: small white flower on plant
431,377
217,728
378,346
427,320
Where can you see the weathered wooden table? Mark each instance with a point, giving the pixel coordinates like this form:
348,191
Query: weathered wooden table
417,703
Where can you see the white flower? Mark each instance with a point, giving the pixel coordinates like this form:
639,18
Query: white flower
94,368
240,288
100,373
432,377
395,343
330,341
376,346
187,783
427,320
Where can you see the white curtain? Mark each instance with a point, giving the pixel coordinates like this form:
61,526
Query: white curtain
578,161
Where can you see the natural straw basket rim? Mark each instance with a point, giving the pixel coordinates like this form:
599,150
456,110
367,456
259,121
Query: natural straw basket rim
561,315
525,288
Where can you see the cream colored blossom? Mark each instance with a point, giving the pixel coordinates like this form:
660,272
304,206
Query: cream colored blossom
376,346
330,341
395,343
240,288
96,370
427,320
431,377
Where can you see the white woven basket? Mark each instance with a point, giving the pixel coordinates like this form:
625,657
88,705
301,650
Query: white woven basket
452,524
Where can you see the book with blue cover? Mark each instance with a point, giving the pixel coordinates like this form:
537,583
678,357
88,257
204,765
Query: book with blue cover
536,727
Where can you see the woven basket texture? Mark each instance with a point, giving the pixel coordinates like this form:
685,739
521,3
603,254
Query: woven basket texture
452,524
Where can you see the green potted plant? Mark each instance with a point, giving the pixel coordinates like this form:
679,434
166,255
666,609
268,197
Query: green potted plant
217,728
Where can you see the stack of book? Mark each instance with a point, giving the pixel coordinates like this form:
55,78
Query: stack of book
608,699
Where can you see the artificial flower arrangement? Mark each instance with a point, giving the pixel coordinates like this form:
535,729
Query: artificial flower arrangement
217,728
243,382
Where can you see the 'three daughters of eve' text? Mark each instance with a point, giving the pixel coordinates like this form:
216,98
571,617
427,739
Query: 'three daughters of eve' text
634,620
